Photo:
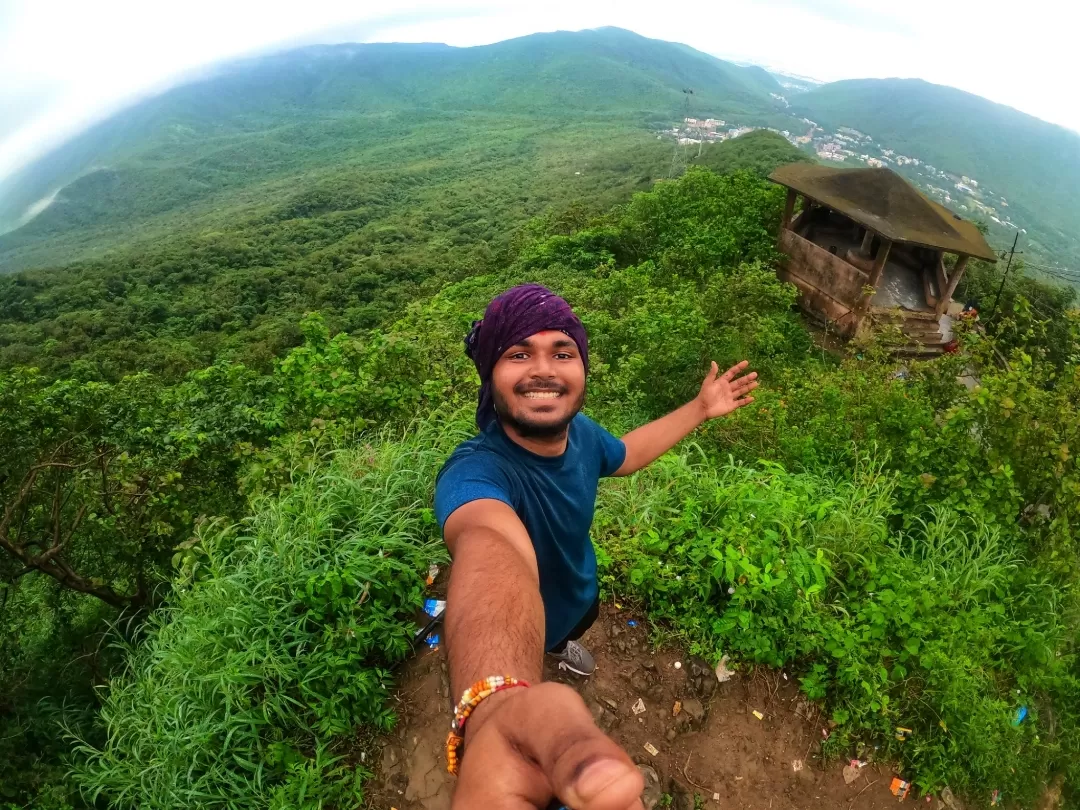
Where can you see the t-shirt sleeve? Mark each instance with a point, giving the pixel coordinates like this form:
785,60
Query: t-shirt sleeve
471,478
612,451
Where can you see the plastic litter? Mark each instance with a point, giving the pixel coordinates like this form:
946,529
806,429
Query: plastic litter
723,674
797,765
652,749
433,607
432,572
899,788
632,623
638,707
851,773
716,797
903,734
758,715
676,708
1019,716
678,665
995,798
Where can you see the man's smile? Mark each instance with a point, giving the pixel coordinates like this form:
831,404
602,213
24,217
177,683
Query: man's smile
542,394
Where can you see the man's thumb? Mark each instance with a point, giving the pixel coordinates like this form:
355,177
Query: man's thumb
605,783
587,769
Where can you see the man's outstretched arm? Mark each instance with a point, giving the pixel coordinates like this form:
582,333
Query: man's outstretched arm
523,747
720,395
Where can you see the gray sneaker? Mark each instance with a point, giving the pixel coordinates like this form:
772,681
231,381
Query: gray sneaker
575,658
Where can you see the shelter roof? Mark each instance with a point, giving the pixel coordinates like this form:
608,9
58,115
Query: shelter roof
886,203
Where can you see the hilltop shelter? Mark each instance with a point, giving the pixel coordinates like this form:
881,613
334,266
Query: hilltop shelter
867,248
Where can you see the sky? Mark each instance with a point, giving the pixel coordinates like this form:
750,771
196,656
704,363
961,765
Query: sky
66,64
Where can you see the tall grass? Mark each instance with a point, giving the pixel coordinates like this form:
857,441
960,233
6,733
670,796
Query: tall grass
249,690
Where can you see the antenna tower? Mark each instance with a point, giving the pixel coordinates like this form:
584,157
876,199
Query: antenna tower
678,156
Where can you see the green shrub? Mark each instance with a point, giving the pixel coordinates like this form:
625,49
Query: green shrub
277,645
944,627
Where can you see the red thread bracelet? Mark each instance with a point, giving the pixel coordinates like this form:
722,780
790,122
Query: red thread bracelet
472,698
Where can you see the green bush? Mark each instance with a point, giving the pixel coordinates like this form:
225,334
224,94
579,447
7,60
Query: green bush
278,643
945,628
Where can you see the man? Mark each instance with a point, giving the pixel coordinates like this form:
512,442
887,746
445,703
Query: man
515,505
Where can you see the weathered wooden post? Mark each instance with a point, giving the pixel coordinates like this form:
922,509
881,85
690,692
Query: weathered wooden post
954,279
863,306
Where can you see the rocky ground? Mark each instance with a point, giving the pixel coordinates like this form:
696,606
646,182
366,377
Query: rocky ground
712,750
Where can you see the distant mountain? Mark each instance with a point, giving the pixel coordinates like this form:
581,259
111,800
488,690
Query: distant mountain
1035,165
267,117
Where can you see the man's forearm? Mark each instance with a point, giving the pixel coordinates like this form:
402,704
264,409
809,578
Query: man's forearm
494,616
648,442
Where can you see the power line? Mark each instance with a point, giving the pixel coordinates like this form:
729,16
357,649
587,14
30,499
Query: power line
1004,275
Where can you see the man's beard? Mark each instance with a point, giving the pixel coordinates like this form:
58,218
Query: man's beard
533,430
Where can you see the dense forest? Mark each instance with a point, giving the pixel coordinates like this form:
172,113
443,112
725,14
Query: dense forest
221,424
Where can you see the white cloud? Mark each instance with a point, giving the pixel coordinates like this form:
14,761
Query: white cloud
74,62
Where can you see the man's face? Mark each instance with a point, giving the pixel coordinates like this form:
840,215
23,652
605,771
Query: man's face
539,384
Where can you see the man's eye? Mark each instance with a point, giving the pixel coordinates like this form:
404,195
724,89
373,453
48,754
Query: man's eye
518,356
563,356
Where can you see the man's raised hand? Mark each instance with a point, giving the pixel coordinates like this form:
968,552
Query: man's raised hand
723,393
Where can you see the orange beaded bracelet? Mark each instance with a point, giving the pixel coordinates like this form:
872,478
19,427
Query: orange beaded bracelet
472,698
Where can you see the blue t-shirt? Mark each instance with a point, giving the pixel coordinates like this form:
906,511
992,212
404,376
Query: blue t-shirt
554,497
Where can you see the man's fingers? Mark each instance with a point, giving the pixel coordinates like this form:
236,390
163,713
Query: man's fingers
742,389
710,375
735,369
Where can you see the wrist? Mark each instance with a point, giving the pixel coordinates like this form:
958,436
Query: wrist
700,411
487,708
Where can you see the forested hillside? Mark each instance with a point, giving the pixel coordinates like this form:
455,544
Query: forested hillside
1036,165
331,105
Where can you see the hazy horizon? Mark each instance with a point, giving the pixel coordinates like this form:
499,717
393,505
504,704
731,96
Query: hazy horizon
57,98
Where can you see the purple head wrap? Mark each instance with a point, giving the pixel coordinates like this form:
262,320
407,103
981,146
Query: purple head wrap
509,319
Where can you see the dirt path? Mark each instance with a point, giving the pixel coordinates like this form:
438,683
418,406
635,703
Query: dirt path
715,746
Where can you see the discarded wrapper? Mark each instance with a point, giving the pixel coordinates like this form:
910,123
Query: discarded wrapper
676,708
723,674
652,749
995,798
797,765
903,734
899,788
716,797
432,572
638,707
433,607
851,773
1019,716
758,715
631,623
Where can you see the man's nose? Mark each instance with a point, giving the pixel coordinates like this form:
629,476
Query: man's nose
543,367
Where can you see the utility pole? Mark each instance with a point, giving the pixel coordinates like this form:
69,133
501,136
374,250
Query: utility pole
1004,275
678,157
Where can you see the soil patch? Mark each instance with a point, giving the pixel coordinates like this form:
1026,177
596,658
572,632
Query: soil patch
708,739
